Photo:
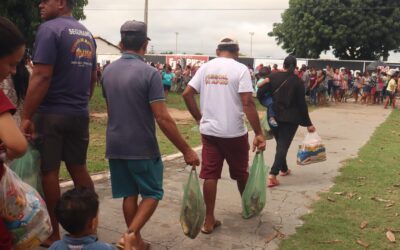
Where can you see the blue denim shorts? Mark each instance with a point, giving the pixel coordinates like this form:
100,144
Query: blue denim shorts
137,177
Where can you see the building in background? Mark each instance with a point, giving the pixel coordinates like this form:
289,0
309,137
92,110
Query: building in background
106,51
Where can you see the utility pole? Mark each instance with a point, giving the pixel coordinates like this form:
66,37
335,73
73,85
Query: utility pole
146,12
176,42
251,43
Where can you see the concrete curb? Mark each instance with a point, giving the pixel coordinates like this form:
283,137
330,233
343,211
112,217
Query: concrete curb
106,175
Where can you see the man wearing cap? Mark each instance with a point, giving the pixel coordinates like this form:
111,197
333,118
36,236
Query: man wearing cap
225,90
135,98
57,99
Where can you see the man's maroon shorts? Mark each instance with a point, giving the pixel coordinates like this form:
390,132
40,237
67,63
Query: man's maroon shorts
234,150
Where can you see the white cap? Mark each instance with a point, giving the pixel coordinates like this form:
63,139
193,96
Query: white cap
228,41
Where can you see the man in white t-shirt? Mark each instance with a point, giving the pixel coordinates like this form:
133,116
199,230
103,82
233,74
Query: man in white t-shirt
225,90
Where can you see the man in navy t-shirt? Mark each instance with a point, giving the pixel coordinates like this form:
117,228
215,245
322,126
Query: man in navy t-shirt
57,98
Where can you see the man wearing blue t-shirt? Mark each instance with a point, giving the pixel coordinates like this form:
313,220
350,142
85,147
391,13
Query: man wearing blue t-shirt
57,99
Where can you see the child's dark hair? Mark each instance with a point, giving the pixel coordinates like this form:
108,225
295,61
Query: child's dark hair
76,208
11,38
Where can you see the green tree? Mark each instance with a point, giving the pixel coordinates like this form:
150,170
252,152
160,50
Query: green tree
25,14
353,29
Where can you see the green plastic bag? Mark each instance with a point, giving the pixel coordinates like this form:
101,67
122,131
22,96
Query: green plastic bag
254,194
27,168
193,208
266,129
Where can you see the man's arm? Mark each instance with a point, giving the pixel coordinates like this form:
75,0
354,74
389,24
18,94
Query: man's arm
190,101
38,86
249,108
169,128
93,81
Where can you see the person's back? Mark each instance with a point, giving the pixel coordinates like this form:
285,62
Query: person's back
67,45
219,83
226,95
56,104
288,97
135,99
83,243
129,87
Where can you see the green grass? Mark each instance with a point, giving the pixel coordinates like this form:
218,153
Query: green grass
97,104
375,173
96,161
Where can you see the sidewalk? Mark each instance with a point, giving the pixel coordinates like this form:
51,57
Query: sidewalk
344,129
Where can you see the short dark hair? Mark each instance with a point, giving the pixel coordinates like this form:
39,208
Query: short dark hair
290,63
71,4
133,40
76,208
232,48
11,38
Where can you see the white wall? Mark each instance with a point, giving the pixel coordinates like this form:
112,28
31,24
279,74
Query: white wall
104,48
106,52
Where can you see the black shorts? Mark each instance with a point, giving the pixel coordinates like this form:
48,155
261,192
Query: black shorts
61,138
167,87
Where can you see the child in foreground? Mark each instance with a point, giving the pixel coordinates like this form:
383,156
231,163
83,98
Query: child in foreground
267,99
77,212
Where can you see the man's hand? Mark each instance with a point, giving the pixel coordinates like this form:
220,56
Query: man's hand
28,129
311,129
191,158
259,143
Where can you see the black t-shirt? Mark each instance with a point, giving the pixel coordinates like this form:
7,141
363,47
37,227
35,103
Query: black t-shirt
289,101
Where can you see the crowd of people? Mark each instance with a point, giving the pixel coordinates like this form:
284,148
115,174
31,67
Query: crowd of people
322,86
175,79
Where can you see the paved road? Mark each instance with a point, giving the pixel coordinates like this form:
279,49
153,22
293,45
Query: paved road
344,129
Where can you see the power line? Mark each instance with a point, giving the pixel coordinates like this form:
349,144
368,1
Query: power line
232,9
179,9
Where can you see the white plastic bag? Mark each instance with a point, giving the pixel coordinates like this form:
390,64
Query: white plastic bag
23,211
312,150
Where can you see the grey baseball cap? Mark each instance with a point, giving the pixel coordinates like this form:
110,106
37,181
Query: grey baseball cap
134,26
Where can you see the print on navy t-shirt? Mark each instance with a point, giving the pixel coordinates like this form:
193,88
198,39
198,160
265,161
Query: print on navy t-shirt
70,48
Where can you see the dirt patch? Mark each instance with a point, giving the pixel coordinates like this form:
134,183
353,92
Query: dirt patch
98,115
180,116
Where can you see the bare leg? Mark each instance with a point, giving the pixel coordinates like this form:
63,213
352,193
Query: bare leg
386,102
51,190
129,207
241,185
210,194
80,176
145,210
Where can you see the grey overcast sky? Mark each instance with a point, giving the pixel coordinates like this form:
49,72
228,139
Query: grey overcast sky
199,30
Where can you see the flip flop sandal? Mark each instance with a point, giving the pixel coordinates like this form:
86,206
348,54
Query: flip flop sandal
273,183
288,172
216,225
121,245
